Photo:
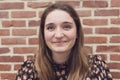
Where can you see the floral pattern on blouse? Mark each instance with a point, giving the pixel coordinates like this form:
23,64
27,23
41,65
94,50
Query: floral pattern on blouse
98,70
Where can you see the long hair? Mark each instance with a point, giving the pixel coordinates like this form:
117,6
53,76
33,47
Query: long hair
79,62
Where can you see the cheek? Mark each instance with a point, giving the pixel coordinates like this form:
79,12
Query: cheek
72,39
72,34
48,36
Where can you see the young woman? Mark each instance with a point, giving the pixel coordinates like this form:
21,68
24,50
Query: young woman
61,54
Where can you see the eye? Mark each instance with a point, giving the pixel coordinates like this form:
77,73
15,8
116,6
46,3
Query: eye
67,27
50,28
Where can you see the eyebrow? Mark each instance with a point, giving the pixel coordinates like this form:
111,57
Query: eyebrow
67,23
49,24
62,23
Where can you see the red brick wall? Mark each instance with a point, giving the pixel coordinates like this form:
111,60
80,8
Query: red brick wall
19,24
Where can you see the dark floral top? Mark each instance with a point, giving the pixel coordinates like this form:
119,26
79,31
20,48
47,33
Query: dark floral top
97,71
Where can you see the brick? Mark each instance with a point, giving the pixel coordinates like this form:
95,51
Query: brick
34,23
4,50
84,13
11,58
87,30
23,50
40,13
23,14
30,57
116,75
89,49
115,39
107,30
13,41
108,49
95,22
95,39
14,23
24,32
38,4
17,66
5,67
112,12
115,3
115,21
115,57
11,5
33,41
95,4
72,3
114,65
8,76
4,32
3,14
104,56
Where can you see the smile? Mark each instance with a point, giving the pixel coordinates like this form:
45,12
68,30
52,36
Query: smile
60,42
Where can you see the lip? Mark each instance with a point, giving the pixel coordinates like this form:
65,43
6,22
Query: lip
59,41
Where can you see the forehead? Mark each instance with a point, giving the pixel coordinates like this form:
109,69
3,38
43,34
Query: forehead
58,16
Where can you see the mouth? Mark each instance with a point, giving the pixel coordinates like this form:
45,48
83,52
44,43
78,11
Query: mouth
59,42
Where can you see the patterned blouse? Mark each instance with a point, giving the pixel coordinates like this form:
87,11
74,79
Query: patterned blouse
98,70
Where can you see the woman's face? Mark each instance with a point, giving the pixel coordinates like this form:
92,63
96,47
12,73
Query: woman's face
60,31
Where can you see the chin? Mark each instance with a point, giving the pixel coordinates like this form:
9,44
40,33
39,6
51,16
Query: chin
61,50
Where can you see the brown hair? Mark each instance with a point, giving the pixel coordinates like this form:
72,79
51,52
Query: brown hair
79,62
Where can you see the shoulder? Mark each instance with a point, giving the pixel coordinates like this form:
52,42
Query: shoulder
27,70
94,59
98,68
28,63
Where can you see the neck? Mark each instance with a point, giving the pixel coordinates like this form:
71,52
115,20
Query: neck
60,58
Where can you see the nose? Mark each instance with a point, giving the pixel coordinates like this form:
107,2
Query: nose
59,33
